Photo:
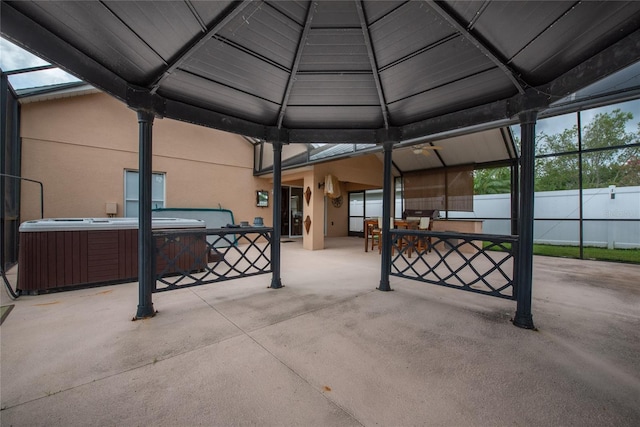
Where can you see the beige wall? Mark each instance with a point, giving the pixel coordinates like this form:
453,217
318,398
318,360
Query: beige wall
354,174
80,147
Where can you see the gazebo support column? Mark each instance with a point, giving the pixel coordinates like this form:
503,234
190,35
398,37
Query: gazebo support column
524,279
146,255
386,215
276,282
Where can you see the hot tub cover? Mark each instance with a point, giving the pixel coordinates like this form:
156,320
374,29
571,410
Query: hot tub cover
75,224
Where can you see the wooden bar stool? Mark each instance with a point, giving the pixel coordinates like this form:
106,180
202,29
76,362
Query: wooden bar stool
424,243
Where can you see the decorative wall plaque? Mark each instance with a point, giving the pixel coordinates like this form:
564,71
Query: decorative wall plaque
307,196
307,224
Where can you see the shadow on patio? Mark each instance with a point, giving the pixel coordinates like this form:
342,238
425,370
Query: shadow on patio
328,349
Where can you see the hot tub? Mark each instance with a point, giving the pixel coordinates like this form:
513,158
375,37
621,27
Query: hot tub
69,252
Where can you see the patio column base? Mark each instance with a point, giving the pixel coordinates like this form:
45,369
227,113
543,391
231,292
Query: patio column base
523,321
276,284
145,313
384,287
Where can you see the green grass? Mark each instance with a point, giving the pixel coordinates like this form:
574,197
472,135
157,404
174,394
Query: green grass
600,254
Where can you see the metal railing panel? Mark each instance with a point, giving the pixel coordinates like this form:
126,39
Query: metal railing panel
191,258
457,260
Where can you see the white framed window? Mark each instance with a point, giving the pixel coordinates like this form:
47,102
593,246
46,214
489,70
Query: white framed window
131,197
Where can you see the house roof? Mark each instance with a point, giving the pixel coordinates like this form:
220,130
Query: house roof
355,72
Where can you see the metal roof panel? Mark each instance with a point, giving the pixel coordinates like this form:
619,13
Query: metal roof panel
210,95
332,89
401,33
111,43
439,64
165,26
266,32
224,64
336,14
375,10
339,50
568,42
209,11
462,94
445,63
328,117
509,26
296,10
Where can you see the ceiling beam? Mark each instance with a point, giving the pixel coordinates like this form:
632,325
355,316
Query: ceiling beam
203,117
486,50
481,117
196,44
313,6
373,62
614,58
334,136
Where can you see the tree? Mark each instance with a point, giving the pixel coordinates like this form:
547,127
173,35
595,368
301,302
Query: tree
557,172
602,165
611,157
492,181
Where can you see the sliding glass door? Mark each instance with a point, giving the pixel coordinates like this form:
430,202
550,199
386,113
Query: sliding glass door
291,221
363,204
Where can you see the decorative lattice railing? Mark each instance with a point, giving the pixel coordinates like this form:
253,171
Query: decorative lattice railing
190,258
480,263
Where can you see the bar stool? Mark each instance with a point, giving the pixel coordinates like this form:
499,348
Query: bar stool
376,235
424,243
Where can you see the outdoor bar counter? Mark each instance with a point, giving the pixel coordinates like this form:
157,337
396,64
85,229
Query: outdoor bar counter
459,226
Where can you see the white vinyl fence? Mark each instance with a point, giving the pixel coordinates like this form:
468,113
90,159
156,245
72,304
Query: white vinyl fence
557,215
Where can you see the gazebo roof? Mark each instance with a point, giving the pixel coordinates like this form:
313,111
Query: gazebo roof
357,72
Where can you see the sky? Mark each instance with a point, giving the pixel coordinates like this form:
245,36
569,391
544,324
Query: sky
13,57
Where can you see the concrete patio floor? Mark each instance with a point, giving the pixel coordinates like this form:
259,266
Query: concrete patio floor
329,349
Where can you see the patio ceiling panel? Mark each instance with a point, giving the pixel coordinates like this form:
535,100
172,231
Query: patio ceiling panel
488,146
405,160
481,147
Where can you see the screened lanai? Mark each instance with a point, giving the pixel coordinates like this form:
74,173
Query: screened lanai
361,73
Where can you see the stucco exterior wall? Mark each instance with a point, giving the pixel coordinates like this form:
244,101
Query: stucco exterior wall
79,147
355,173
